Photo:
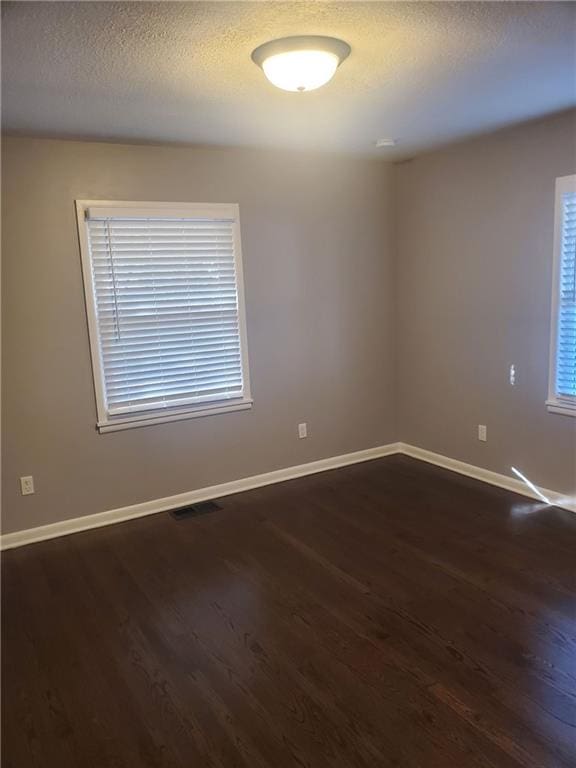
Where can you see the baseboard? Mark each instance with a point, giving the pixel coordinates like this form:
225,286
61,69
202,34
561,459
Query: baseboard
75,525
486,476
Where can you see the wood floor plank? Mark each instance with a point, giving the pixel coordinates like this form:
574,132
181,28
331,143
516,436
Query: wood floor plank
386,614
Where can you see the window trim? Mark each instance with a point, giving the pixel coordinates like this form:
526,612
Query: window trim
555,403
107,423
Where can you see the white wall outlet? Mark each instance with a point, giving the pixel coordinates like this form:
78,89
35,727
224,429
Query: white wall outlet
302,430
482,435
512,375
27,485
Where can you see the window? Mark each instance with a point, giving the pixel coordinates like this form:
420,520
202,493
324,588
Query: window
562,388
164,298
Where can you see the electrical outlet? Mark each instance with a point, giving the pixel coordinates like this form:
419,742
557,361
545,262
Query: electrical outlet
482,433
302,430
512,375
27,485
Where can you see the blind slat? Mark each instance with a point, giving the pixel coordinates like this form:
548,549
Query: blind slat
159,361
166,383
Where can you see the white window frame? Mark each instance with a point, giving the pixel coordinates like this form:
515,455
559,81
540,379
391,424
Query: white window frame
105,422
560,404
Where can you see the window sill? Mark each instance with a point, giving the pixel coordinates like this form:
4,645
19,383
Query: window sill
132,422
562,408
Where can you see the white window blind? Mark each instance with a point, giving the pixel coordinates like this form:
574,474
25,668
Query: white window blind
164,294
562,395
566,354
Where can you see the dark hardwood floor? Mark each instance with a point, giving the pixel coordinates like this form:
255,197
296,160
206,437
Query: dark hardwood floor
386,614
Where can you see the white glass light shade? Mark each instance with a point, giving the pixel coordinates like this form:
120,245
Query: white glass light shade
300,70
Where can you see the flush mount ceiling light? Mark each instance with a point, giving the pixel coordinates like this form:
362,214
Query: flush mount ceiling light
301,63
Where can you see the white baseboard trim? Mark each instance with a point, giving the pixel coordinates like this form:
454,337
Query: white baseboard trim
487,476
75,525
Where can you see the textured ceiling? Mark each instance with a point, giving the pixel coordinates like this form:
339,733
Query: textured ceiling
422,72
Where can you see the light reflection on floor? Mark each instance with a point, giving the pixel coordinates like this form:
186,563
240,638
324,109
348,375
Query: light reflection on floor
527,508
519,510
530,485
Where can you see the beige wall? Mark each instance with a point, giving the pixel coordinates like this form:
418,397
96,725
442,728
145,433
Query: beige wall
474,260
469,275
317,262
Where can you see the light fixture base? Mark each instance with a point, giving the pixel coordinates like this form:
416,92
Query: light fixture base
301,43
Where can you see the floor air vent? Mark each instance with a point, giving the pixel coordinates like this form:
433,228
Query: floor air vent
195,510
